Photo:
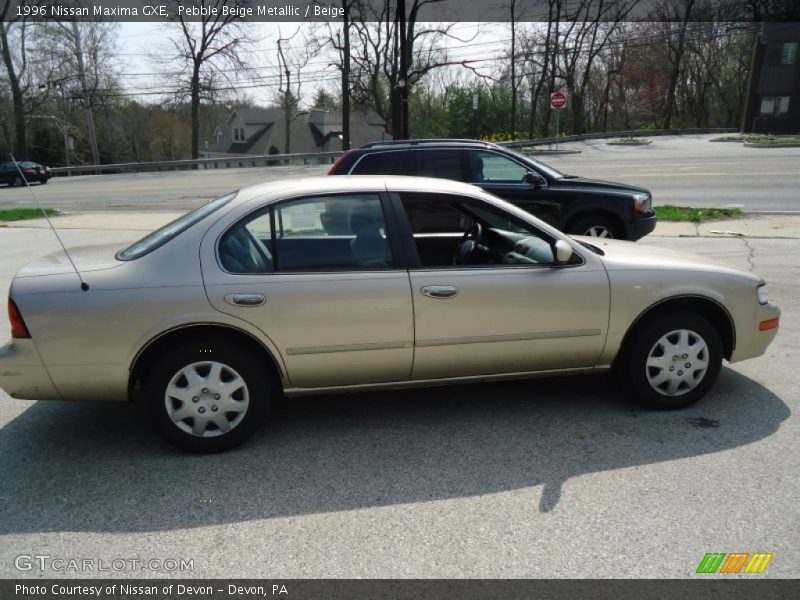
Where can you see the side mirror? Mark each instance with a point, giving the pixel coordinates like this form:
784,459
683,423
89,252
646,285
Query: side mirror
563,252
533,178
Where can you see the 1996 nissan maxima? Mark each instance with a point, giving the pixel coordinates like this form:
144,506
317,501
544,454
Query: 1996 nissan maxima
210,317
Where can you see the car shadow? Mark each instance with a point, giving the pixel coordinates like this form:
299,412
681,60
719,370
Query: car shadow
96,467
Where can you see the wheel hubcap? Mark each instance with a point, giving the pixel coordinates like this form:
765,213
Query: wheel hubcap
677,362
206,399
598,231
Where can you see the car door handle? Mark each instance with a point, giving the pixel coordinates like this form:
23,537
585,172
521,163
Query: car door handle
439,291
245,299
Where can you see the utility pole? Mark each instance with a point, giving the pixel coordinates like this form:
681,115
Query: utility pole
85,88
404,126
346,75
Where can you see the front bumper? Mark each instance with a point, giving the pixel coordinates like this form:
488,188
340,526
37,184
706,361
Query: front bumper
757,343
642,225
22,373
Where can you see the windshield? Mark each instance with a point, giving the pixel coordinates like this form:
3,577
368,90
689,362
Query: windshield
161,236
538,165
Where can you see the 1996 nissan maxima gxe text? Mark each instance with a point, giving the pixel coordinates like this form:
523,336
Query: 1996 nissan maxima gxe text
210,317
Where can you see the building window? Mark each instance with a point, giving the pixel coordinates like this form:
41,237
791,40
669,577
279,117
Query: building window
782,54
235,134
774,106
241,134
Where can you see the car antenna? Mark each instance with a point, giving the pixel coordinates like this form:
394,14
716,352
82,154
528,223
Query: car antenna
84,285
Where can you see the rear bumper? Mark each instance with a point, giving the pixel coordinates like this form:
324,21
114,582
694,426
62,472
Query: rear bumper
642,226
22,373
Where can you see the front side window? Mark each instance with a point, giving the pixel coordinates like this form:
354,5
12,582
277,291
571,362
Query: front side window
495,168
323,233
462,232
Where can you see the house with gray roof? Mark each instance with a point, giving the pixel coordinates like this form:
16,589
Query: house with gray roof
260,131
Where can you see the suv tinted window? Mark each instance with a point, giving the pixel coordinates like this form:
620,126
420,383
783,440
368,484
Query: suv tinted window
382,163
447,163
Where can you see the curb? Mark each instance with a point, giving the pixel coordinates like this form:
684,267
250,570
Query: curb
771,146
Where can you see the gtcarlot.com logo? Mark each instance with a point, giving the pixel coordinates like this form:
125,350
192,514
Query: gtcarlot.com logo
734,562
45,562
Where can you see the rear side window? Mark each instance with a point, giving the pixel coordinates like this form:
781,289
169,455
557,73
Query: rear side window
161,236
382,163
443,164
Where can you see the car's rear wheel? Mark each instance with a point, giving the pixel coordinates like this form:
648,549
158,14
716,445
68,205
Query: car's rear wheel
672,361
18,182
208,397
597,226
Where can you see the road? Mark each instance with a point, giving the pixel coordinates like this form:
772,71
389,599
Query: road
683,170
551,478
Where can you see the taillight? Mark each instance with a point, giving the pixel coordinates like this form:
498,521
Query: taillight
339,161
18,328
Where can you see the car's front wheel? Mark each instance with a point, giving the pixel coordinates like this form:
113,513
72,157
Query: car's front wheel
672,361
208,397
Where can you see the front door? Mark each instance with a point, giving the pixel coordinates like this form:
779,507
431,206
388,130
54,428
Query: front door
331,300
508,308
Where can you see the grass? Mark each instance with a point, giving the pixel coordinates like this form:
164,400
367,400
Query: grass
769,140
19,214
695,215
631,141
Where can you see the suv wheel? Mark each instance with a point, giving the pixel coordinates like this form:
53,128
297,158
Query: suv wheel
596,226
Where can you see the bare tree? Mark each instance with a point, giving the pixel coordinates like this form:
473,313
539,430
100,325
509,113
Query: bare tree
203,49
290,63
15,70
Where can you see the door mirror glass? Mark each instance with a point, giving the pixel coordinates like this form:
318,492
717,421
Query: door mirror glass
563,252
533,178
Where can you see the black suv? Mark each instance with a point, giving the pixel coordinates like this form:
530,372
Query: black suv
573,204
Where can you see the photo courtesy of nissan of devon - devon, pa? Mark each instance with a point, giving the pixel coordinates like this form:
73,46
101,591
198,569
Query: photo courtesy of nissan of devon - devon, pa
370,282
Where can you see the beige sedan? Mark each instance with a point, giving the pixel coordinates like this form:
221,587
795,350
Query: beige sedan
425,282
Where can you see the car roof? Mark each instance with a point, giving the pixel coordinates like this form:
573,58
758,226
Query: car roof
389,144
352,183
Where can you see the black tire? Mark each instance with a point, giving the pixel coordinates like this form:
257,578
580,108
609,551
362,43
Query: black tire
18,182
585,225
45,180
635,375
259,387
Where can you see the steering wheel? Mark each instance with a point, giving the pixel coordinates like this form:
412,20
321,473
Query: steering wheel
469,241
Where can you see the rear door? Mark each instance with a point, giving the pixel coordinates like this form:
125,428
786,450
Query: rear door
335,305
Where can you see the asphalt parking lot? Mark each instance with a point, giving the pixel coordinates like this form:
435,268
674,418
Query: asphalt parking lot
547,478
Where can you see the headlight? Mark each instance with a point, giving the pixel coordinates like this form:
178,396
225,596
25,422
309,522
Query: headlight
763,296
642,203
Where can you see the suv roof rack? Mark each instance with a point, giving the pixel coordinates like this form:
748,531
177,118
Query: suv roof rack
428,141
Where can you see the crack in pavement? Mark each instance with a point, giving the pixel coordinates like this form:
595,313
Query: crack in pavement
751,253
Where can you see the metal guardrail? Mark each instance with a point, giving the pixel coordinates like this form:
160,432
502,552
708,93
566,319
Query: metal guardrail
265,160
225,162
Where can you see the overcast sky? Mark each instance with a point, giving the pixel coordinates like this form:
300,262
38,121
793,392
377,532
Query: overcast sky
139,42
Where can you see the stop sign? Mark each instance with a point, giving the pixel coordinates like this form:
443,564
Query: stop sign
558,100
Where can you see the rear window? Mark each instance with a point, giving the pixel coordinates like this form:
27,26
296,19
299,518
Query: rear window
161,236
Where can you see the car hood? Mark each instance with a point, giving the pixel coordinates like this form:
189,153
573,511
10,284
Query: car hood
86,259
622,255
597,184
